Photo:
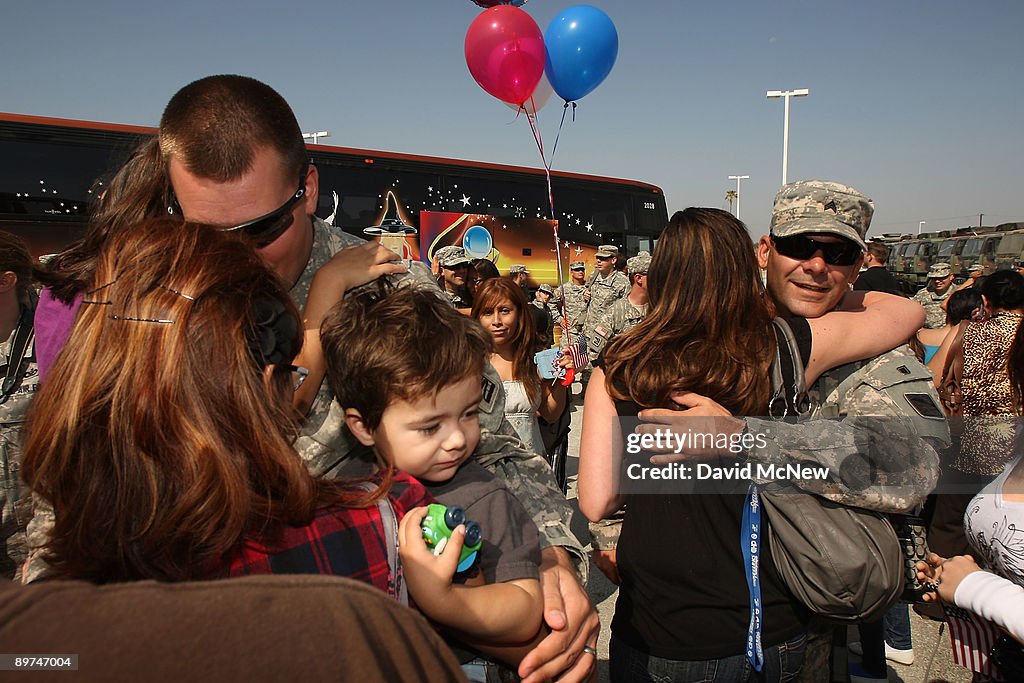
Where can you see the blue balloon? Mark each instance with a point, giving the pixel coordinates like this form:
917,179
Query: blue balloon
581,45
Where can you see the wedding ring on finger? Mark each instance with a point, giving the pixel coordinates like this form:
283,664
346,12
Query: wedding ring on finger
587,650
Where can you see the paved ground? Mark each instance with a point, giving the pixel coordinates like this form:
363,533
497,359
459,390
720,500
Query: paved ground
932,650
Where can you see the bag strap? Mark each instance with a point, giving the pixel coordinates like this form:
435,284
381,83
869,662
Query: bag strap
953,367
797,397
389,520
23,336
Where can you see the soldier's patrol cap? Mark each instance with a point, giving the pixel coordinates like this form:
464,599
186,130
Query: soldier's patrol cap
607,250
973,266
518,268
639,263
451,256
940,270
546,289
577,265
809,206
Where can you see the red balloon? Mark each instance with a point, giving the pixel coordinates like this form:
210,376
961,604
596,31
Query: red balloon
505,53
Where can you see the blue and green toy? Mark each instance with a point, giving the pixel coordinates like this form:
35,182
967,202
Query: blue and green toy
437,528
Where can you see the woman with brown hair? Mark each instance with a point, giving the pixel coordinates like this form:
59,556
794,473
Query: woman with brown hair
163,437
501,307
683,610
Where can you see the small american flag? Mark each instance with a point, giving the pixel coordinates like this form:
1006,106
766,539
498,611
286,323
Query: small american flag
972,638
578,353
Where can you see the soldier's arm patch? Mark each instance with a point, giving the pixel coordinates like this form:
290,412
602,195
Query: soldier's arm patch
489,395
925,406
598,339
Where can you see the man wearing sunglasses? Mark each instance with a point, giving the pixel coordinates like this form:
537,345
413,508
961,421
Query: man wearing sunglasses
811,258
236,159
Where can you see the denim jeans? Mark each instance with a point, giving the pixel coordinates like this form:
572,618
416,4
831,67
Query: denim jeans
893,628
781,663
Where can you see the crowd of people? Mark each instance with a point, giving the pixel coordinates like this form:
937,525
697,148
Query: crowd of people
214,383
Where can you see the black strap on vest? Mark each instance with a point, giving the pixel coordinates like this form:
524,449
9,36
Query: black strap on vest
23,336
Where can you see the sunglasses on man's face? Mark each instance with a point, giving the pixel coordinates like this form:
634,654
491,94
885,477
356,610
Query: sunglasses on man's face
802,248
268,227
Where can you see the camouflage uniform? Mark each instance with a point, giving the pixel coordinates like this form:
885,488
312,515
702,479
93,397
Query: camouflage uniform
895,463
575,308
325,443
604,535
888,425
934,316
619,318
15,498
604,291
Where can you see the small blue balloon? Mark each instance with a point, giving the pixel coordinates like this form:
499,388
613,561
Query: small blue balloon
477,242
581,45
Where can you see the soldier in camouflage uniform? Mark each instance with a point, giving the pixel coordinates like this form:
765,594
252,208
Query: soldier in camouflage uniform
574,294
624,314
606,286
902,449
882,445
20,379
546,322
315,257
933,297
454,266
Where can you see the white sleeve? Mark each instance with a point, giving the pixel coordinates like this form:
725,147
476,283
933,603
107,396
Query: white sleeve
994,598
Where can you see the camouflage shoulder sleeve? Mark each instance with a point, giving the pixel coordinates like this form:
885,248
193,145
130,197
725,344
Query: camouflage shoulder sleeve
38,532
878,433
604,535
526,474
531,481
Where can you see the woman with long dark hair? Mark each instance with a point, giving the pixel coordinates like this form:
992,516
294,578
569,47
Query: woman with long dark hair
683,608
501,307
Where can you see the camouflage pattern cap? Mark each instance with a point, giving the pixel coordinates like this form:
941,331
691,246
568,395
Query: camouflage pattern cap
517,268
606,250
940,270
546,289
639,263
451,256
810,206
972,266
577,265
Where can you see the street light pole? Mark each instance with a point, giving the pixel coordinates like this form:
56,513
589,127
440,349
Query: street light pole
738,178
772,94
316,136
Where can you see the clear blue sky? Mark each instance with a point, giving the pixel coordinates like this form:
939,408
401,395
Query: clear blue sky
918,103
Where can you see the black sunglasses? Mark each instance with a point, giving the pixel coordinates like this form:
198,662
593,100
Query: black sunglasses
801,247
268,227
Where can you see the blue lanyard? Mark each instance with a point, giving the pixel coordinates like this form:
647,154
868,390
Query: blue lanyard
750,541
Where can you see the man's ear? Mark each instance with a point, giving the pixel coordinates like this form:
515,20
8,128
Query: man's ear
8,281
856,270
764,247
312,197
356,425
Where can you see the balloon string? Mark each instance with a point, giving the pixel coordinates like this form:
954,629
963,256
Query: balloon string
559,133
551,203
